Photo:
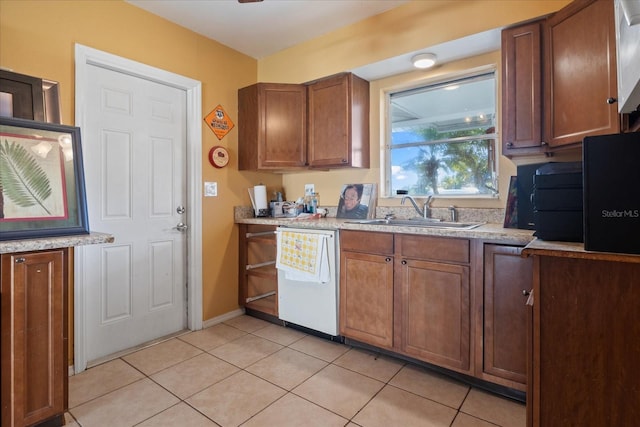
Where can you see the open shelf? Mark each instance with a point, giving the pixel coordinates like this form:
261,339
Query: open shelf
258,278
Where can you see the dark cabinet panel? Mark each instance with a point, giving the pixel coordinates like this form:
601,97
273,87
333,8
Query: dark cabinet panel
586,325
24,95
34,337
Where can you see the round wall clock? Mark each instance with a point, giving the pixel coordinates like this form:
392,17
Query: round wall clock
219,156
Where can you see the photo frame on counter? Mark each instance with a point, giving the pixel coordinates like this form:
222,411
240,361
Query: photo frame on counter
42,191
358,201
511,210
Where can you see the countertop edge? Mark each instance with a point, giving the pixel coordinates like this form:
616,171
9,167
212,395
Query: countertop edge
574,250
27,245
491,232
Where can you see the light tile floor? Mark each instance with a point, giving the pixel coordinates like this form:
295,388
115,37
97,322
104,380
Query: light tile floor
248,372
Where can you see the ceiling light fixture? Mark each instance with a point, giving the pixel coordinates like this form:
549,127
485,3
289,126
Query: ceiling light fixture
424,60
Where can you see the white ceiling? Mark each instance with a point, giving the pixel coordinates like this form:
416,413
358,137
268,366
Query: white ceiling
263,28
453,50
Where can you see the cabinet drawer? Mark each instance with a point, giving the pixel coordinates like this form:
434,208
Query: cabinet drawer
433,248
366,241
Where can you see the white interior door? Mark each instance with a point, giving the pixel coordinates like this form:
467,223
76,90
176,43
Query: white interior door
135,156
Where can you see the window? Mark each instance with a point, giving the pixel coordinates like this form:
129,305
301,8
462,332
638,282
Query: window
442,138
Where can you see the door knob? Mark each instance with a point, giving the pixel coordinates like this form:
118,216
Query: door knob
180,209
181,226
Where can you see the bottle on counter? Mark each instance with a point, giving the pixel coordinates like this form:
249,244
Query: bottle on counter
307,204
315,201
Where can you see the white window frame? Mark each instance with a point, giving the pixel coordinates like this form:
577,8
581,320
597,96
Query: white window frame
385,128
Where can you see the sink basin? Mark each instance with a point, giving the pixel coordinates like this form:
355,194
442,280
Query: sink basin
435,224
419,222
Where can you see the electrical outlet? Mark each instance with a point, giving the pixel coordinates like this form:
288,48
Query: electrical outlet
210,189
309,189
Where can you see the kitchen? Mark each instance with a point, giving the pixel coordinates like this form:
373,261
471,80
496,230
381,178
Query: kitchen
127,31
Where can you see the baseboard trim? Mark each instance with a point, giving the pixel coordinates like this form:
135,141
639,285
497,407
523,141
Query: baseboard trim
223,318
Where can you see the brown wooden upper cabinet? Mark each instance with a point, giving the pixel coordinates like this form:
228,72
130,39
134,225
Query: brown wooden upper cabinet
522,89
338,131
559,79
581,83
321,124
272,126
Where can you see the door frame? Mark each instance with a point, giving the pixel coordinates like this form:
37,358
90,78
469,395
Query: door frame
85,56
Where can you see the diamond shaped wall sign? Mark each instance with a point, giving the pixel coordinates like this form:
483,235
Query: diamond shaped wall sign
219,122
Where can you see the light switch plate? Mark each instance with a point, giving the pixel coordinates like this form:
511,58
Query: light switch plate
210,189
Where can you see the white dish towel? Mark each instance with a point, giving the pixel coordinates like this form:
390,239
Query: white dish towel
303,256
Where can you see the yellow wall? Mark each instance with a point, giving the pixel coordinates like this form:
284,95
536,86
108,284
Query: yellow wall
38,37
413,26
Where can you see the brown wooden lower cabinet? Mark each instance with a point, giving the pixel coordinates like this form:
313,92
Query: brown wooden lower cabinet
366,287
436,312
454,303
409,294
34,337
432,280
586,341
508,279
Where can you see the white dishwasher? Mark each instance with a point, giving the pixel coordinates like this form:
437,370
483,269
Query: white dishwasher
308,275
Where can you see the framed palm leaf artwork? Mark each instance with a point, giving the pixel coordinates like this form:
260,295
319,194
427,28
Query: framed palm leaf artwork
42,191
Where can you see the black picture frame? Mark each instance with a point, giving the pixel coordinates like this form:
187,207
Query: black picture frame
42,190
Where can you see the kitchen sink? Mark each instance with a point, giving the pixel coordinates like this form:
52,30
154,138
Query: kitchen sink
419,222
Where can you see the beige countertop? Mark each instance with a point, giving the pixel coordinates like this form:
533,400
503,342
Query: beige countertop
489,231
26,245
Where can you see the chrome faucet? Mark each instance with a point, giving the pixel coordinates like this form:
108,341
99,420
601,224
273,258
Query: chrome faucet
425,212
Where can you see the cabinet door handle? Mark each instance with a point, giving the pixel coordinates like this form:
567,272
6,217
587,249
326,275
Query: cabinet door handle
404,262
509,144
611,100
526,293
20,260
387,259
